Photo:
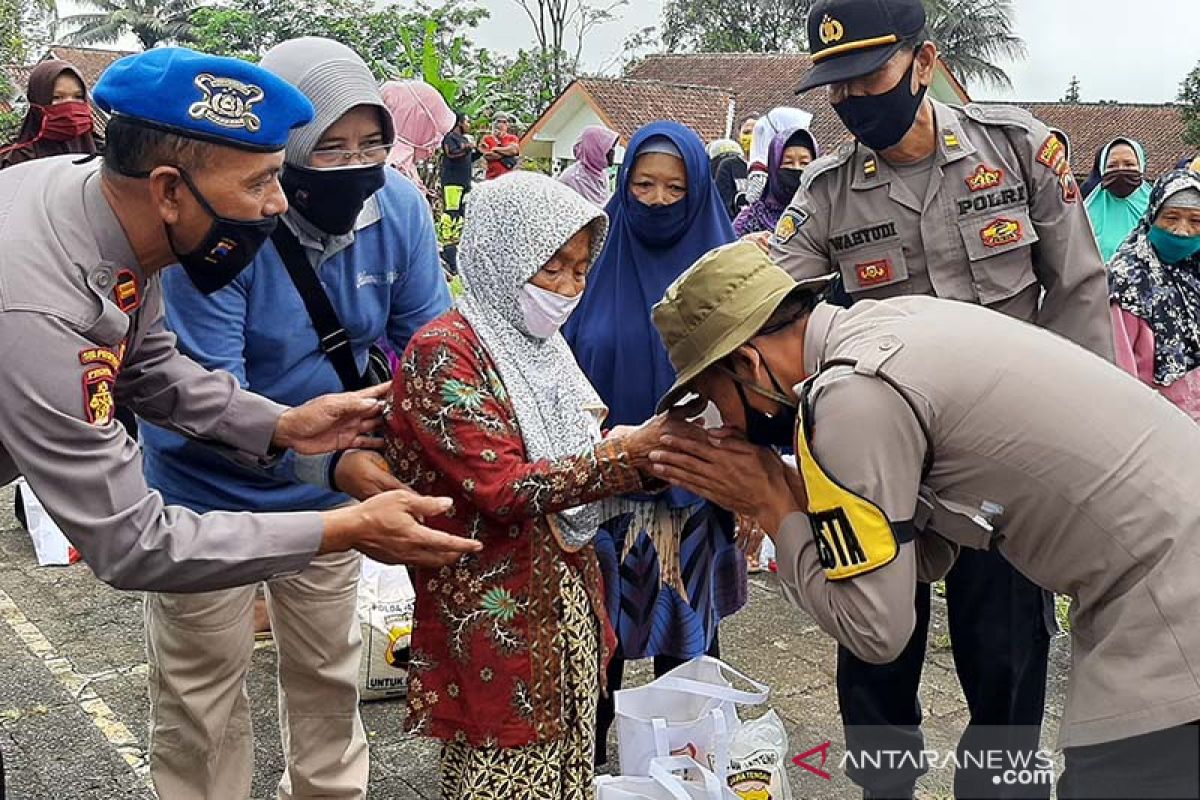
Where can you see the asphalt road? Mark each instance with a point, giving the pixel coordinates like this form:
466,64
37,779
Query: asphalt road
73,704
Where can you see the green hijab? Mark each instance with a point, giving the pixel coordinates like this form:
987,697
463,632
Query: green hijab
1114,218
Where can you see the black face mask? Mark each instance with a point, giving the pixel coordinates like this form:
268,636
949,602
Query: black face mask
1122,182
880,121
769,431
226,250
331,199
789,182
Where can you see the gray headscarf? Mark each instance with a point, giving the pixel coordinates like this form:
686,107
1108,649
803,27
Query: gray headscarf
514,225
334,78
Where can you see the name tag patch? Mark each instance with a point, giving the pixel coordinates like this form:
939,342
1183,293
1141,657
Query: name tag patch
1001,232
875,233
874,273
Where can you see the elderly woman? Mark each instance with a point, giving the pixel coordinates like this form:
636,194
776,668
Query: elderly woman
594,151
791,151
672,569
1155,291
1120,199
59,119
491,410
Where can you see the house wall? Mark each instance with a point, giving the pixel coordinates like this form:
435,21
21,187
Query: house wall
557,139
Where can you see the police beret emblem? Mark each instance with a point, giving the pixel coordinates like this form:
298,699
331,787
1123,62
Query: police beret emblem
227,102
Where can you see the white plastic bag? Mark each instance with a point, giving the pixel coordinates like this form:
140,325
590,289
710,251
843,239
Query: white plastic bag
758,758
49,542
690,711
385,612
665,783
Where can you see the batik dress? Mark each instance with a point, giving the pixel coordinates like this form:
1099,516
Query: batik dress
507,644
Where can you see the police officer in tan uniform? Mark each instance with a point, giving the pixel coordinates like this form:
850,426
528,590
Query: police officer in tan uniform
976,204
1010,439
190,177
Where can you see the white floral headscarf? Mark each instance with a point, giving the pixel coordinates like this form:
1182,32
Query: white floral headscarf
514,225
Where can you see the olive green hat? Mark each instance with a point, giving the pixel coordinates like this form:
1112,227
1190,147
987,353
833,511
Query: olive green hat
718,305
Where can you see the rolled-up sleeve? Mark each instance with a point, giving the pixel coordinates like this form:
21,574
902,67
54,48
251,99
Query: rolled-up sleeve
868,440
88,473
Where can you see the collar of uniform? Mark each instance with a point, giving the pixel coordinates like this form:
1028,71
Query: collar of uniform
952,144
325,246
816,334
110,237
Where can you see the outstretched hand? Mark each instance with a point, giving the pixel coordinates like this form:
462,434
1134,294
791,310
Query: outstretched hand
334,422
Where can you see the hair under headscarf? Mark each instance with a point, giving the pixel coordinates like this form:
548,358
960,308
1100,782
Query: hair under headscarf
29,144
1166,296
589,174
422,118
514,225
1113,218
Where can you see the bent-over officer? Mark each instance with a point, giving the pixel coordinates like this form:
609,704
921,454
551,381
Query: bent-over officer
189,176
976,204
910,448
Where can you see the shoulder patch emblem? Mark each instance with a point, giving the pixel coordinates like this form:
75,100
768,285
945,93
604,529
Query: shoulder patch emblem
126,293
98,402
227,102
1051,153
789,225
984,177
111,357
1001,232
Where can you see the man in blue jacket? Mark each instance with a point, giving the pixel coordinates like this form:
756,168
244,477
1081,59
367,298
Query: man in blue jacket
368,235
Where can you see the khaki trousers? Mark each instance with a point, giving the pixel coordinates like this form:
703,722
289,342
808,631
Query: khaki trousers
199,648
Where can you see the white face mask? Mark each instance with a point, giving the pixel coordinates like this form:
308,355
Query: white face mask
545,311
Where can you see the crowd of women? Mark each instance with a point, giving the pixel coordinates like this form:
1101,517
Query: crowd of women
531,404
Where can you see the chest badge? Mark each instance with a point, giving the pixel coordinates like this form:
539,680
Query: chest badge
874,273
984,178
1001,232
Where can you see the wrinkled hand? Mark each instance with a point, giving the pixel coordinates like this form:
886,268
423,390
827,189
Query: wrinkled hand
731,472
749,535
333,422
641,441
363,474
390,528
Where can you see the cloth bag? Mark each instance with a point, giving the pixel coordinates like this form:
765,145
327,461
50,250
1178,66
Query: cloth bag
665,783
690,711
50,544
385,613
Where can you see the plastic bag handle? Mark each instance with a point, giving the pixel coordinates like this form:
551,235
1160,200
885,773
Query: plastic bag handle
693,686
661,771
662,745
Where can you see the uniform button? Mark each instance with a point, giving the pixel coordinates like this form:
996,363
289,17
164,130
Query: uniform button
886,346
104,278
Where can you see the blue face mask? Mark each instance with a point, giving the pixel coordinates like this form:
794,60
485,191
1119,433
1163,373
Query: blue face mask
658,226
1173,248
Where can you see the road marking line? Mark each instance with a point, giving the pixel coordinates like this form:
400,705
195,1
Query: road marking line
79,686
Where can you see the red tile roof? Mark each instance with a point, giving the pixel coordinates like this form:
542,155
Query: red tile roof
1090,126
627,105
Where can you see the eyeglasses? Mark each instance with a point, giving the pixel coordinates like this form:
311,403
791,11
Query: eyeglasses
375,154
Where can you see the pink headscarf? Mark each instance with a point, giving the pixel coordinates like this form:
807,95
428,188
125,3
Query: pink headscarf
589,174
421,118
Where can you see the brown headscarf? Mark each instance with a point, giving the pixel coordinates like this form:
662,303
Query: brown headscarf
27,146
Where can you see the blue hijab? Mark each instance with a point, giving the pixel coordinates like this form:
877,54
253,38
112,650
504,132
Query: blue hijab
611,332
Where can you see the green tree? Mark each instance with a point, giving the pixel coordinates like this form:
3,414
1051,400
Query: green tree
734,26
1189,109
972,35
561,27
1072,95
153,22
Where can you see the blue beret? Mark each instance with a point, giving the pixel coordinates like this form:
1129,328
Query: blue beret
221,100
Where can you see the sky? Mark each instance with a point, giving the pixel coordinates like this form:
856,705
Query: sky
1134,51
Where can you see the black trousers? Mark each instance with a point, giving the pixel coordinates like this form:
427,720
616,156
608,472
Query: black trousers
1159,765
1000,643
606,710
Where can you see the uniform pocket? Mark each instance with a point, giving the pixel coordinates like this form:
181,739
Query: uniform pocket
866,270
999,245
